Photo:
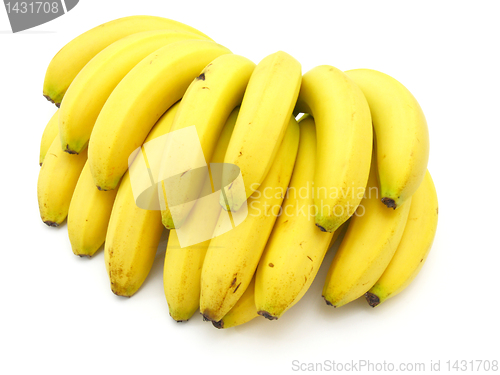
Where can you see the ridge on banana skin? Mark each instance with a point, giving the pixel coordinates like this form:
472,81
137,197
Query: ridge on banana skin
414,247
233,257
71,59
90,89
50,132
345,139
402,137
207,104
368,246
266,109
139,100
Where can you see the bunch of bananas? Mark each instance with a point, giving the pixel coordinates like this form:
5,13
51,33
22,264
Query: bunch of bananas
355,163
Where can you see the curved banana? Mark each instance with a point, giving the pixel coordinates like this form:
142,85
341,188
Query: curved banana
88,215
264,116
414,247
296,248
344,133
401,134
68,62
56,183
369,244
182,270
133,233
207,103
91,88
242,312
49,134
232,257
138,101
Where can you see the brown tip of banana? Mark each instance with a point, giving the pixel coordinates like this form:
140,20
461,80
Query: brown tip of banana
100,188
266,315
321,228
84,256
329,303
48,98
58,105
51,223
70,151
372,299
207,318
219,324
389,202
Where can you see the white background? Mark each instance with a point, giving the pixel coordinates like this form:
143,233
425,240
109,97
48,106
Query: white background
57,312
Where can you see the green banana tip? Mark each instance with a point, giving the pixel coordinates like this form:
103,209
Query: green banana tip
372,299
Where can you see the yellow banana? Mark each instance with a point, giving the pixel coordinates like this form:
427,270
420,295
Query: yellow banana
401,134
88,215
91,88
232,257
414,246
68,62
369,244
133,233
207,103
182,271
56,182
49,134
296,248
132,109
264,116
242,312
344,133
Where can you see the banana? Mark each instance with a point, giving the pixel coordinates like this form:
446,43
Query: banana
296,247
68,62
182,270
49,134
137,102
207,104
91,88
414,246
264,116
242,312
232,257
56,183
133,233
401,133
88,215
344,133
369,244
